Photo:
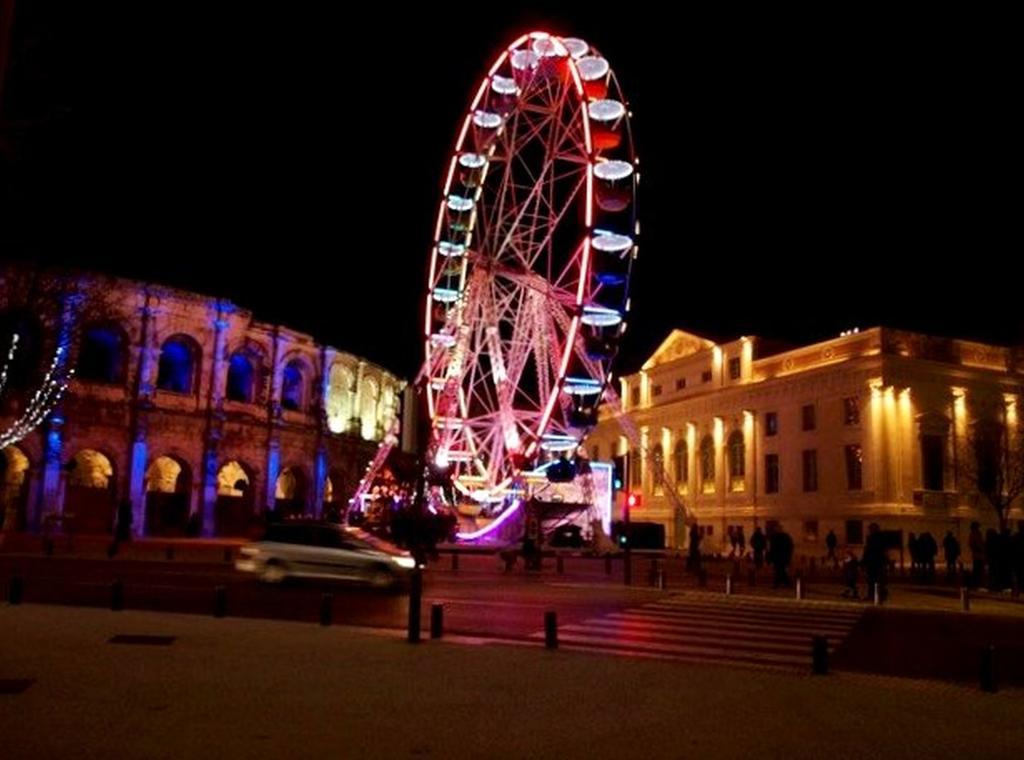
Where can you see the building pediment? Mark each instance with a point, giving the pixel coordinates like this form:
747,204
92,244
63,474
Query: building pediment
678,345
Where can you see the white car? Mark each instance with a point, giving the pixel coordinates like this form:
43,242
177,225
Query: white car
324,550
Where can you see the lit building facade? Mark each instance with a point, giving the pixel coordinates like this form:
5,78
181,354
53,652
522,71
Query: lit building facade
193,410
872,426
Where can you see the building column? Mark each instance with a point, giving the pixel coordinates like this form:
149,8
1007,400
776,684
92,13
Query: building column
319,476
53,452
215,399
273,470
209,502
356,423
137,483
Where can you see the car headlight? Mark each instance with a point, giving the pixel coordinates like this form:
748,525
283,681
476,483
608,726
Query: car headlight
407,562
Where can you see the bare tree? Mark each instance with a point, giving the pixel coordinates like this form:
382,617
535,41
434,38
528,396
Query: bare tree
994,461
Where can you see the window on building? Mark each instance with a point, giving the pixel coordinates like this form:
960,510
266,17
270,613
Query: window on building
737,461
293,386
707,464
771,423
681,465
240,379
771,473
855,531
635,469
656,390
854,466
809,421
705,376
932,461
734,368
634,397
810,530
851,410
178,361
101,358
658,469
680,383
810,457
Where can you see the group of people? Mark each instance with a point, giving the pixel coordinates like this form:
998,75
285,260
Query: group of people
997,558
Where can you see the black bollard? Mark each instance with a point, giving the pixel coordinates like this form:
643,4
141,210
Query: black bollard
551,629
220,601
661,579
728,585
455,561
559,564
415,601
436,621
702,577
652,572
819,655
965,600
15,589
326,608
608,564
117,596
988,679
752,577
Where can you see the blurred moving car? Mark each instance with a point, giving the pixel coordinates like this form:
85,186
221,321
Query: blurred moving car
305,549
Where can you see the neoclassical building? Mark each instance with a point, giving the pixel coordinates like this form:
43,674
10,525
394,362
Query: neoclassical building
872,426
188,406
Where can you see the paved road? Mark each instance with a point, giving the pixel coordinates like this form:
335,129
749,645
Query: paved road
762,627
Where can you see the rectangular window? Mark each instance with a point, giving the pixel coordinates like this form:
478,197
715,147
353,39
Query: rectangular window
854,532
851,410
656,390
771,473
854,467
734,368
932,462
807,417
810,530
705,376
635,397
680,383
771,423
810,470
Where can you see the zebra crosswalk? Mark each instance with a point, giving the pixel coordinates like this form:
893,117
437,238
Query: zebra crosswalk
709,628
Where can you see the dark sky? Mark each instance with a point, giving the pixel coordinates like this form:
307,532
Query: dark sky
801,175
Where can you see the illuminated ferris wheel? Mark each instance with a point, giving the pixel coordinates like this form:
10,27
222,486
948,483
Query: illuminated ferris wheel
528,288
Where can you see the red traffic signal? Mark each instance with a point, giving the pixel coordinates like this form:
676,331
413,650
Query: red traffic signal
634,500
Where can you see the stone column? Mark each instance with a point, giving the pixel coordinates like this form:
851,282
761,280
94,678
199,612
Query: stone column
215,400
53,452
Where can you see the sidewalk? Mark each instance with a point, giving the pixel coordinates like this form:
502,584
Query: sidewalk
257,688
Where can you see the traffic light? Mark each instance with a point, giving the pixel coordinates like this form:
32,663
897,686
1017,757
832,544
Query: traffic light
618,472
634,500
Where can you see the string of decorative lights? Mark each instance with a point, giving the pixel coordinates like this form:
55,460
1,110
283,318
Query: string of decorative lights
54,384
7,362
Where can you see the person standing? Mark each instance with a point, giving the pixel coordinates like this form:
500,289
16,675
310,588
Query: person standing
693,559
757,543
780,553
874,560
830,543
976,543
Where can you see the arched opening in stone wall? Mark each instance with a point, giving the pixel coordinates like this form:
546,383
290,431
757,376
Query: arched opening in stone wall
233,512
168,496
89,493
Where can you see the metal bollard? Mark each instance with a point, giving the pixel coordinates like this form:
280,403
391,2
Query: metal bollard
819,655
415,601
652,572
728,585
877,594
220,601
551,629
965,600
608,564
559,565
752,577
661,579
988,680
800,589
117,596
455,561
15,589
702,578
436,620
326,609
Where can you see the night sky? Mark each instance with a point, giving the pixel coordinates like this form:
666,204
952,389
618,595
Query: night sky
801,175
